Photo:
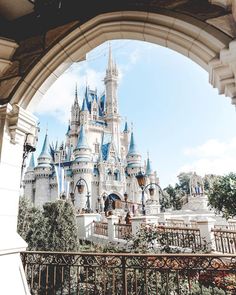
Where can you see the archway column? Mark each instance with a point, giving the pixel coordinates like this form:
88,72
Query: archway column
222,72
15,124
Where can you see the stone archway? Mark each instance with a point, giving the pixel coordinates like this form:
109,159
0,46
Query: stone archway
110,203
204,44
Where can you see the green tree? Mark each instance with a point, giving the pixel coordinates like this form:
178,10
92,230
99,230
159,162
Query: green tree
184,179
175,196
222,195
61,234
208,181
31,225
51,229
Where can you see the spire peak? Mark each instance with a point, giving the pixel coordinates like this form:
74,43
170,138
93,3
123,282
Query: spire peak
44,158
76,93
82,140
85,105
126,129
44,151
148,167
31,163
110,55
132,145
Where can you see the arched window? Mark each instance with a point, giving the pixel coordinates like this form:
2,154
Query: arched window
117,175
109,174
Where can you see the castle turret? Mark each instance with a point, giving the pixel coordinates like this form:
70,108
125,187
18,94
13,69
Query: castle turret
82,167
74,122
126,135
31,163
148,167
29,179
112,113
42,173
94,110
84,114
133,168
133,157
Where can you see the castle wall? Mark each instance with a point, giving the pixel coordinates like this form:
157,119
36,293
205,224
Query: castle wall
42,191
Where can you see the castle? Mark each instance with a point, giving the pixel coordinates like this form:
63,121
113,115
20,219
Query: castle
96,156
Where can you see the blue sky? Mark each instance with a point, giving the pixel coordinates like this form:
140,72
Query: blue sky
177,115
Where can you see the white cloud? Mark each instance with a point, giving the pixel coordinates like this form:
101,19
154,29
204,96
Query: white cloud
59,98
213,156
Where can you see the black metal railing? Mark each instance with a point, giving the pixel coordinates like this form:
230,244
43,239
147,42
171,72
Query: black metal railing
122,274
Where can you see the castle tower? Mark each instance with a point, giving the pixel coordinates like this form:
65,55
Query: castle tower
42,174
133,167
29,179
149,171
112,113
94,110
126,135
74,122
82,168
133,157
84,114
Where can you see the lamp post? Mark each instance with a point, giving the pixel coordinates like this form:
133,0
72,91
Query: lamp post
142,179
80,185
126,199
99,204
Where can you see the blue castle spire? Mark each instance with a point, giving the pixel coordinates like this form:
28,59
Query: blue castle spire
132,145
82,141
85,105
126,129
31,162
44,153
44,159
148,168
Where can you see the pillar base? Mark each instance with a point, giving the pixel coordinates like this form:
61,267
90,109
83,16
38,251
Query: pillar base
12,276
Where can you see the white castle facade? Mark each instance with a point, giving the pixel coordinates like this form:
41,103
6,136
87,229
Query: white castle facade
97,152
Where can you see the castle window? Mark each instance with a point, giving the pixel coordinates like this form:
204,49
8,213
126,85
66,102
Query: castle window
109,174
96,148
117,175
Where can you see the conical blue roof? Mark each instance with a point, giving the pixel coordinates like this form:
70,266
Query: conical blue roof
84,106
148,168
132,145
126,129
31,162
82,141
44,153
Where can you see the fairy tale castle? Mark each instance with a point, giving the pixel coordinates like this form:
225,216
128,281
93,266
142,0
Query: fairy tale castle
96,152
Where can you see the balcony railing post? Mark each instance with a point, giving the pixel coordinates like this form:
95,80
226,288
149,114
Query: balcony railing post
205,227
137,221
85,224
111,220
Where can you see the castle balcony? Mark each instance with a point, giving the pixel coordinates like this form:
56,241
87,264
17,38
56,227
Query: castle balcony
113,185
129,273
